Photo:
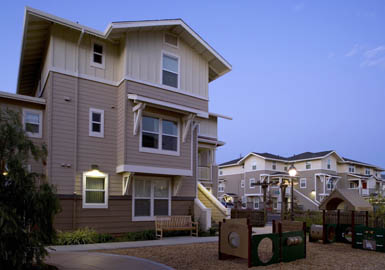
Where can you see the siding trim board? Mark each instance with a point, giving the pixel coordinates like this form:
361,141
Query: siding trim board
152,170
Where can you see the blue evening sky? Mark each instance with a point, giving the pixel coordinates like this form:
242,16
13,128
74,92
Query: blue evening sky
307,75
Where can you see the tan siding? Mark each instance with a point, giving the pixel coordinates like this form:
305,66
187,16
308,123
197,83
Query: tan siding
208,127
121,123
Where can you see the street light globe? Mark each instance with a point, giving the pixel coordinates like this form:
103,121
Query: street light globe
292,171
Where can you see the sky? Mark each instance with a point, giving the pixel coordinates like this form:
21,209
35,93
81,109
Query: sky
306,76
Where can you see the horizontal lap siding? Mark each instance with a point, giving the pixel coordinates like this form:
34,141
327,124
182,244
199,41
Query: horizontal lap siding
121,123
116,219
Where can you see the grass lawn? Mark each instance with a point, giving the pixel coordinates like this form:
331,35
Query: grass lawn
205,256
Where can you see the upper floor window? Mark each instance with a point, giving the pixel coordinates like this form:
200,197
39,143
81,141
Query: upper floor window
285,168
97,55
159,136
171,40
254,166
367,171
251,183
220,172
32,122
242,183
308,165
221,187
352,168
329,164
302,183
170,70
96,123
274,165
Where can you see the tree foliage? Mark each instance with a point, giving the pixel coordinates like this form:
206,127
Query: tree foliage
27,207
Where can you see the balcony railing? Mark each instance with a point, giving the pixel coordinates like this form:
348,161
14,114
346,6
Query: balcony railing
204,173
365,192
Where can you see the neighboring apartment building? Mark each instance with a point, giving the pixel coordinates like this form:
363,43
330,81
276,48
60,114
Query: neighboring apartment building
124,114
318,174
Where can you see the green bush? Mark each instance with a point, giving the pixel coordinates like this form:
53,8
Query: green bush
82,236
138,236
310,217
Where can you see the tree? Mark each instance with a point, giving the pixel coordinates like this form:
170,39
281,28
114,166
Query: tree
27,208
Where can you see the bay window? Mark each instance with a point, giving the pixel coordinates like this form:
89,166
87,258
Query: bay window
159,136
151,197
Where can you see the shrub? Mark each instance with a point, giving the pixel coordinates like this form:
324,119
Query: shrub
310,217
139,236
82,236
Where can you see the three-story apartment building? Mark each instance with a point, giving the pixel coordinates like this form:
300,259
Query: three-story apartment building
124,114
318,174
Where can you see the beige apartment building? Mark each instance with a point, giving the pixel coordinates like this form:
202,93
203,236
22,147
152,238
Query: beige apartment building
125,116
318,175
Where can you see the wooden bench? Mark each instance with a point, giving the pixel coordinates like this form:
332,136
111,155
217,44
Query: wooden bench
175,223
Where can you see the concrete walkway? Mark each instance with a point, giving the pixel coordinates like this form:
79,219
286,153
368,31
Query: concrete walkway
100,261
167,241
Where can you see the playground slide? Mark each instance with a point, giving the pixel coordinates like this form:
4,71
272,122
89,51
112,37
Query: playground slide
218,211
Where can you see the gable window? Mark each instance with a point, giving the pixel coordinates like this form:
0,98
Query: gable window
302,183
96,123
352,168
220,172
151,197
308,165
95,190
32,123
367,171
221,187
159,136
329,164
251,183
274,165
97,55
256,203
242,183
170,70
171,40
254,166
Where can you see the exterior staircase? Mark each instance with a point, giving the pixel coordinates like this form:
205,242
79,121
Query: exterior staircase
218,211
305,200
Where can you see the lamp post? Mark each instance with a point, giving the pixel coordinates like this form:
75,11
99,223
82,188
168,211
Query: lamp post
292,173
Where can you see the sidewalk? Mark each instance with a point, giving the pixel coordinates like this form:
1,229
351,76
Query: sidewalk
166,241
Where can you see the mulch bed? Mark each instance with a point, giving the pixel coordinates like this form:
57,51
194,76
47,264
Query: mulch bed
205,256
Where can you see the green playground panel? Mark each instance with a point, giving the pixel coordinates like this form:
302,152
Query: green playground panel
376,235
291,253
341,231
255,240
328,226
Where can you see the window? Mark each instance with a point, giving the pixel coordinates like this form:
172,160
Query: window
251,183
330,184
171,40
95,190
221,187
96,123
302,183
254,166
308,165
242,183
353,185
159,136
244,202
285,168
151,198
170,70
367,171
329,164
352,168
220,172
274,165
97,56
256,203
32,122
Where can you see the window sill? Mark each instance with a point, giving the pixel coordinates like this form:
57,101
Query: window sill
33,135
157,151
95,206
145,218
96,65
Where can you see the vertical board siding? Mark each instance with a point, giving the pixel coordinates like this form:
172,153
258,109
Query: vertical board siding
144,54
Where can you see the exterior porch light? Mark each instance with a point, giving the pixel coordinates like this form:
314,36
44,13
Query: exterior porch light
95,172
292,171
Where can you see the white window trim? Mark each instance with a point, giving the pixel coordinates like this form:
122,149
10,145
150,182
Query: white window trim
251,180
243,183
353,169
40,133
221,187
160,150
252,165
367,170
254,201
329,164
308,163
92,63
161,68
169,44
330,181
244,199
276,200
95,205
93,133
302,180
152,198
274,166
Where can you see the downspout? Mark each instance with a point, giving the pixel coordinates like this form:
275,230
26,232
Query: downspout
75,165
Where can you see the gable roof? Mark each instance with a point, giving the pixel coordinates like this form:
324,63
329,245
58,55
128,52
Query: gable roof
36,33
310,155
351,161
352,199
270,156
231,162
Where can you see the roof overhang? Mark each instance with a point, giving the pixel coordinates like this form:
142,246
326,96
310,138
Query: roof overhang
36,33
35,100
211,141
220,116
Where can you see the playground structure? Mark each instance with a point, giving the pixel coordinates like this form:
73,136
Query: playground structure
345,219
286,243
